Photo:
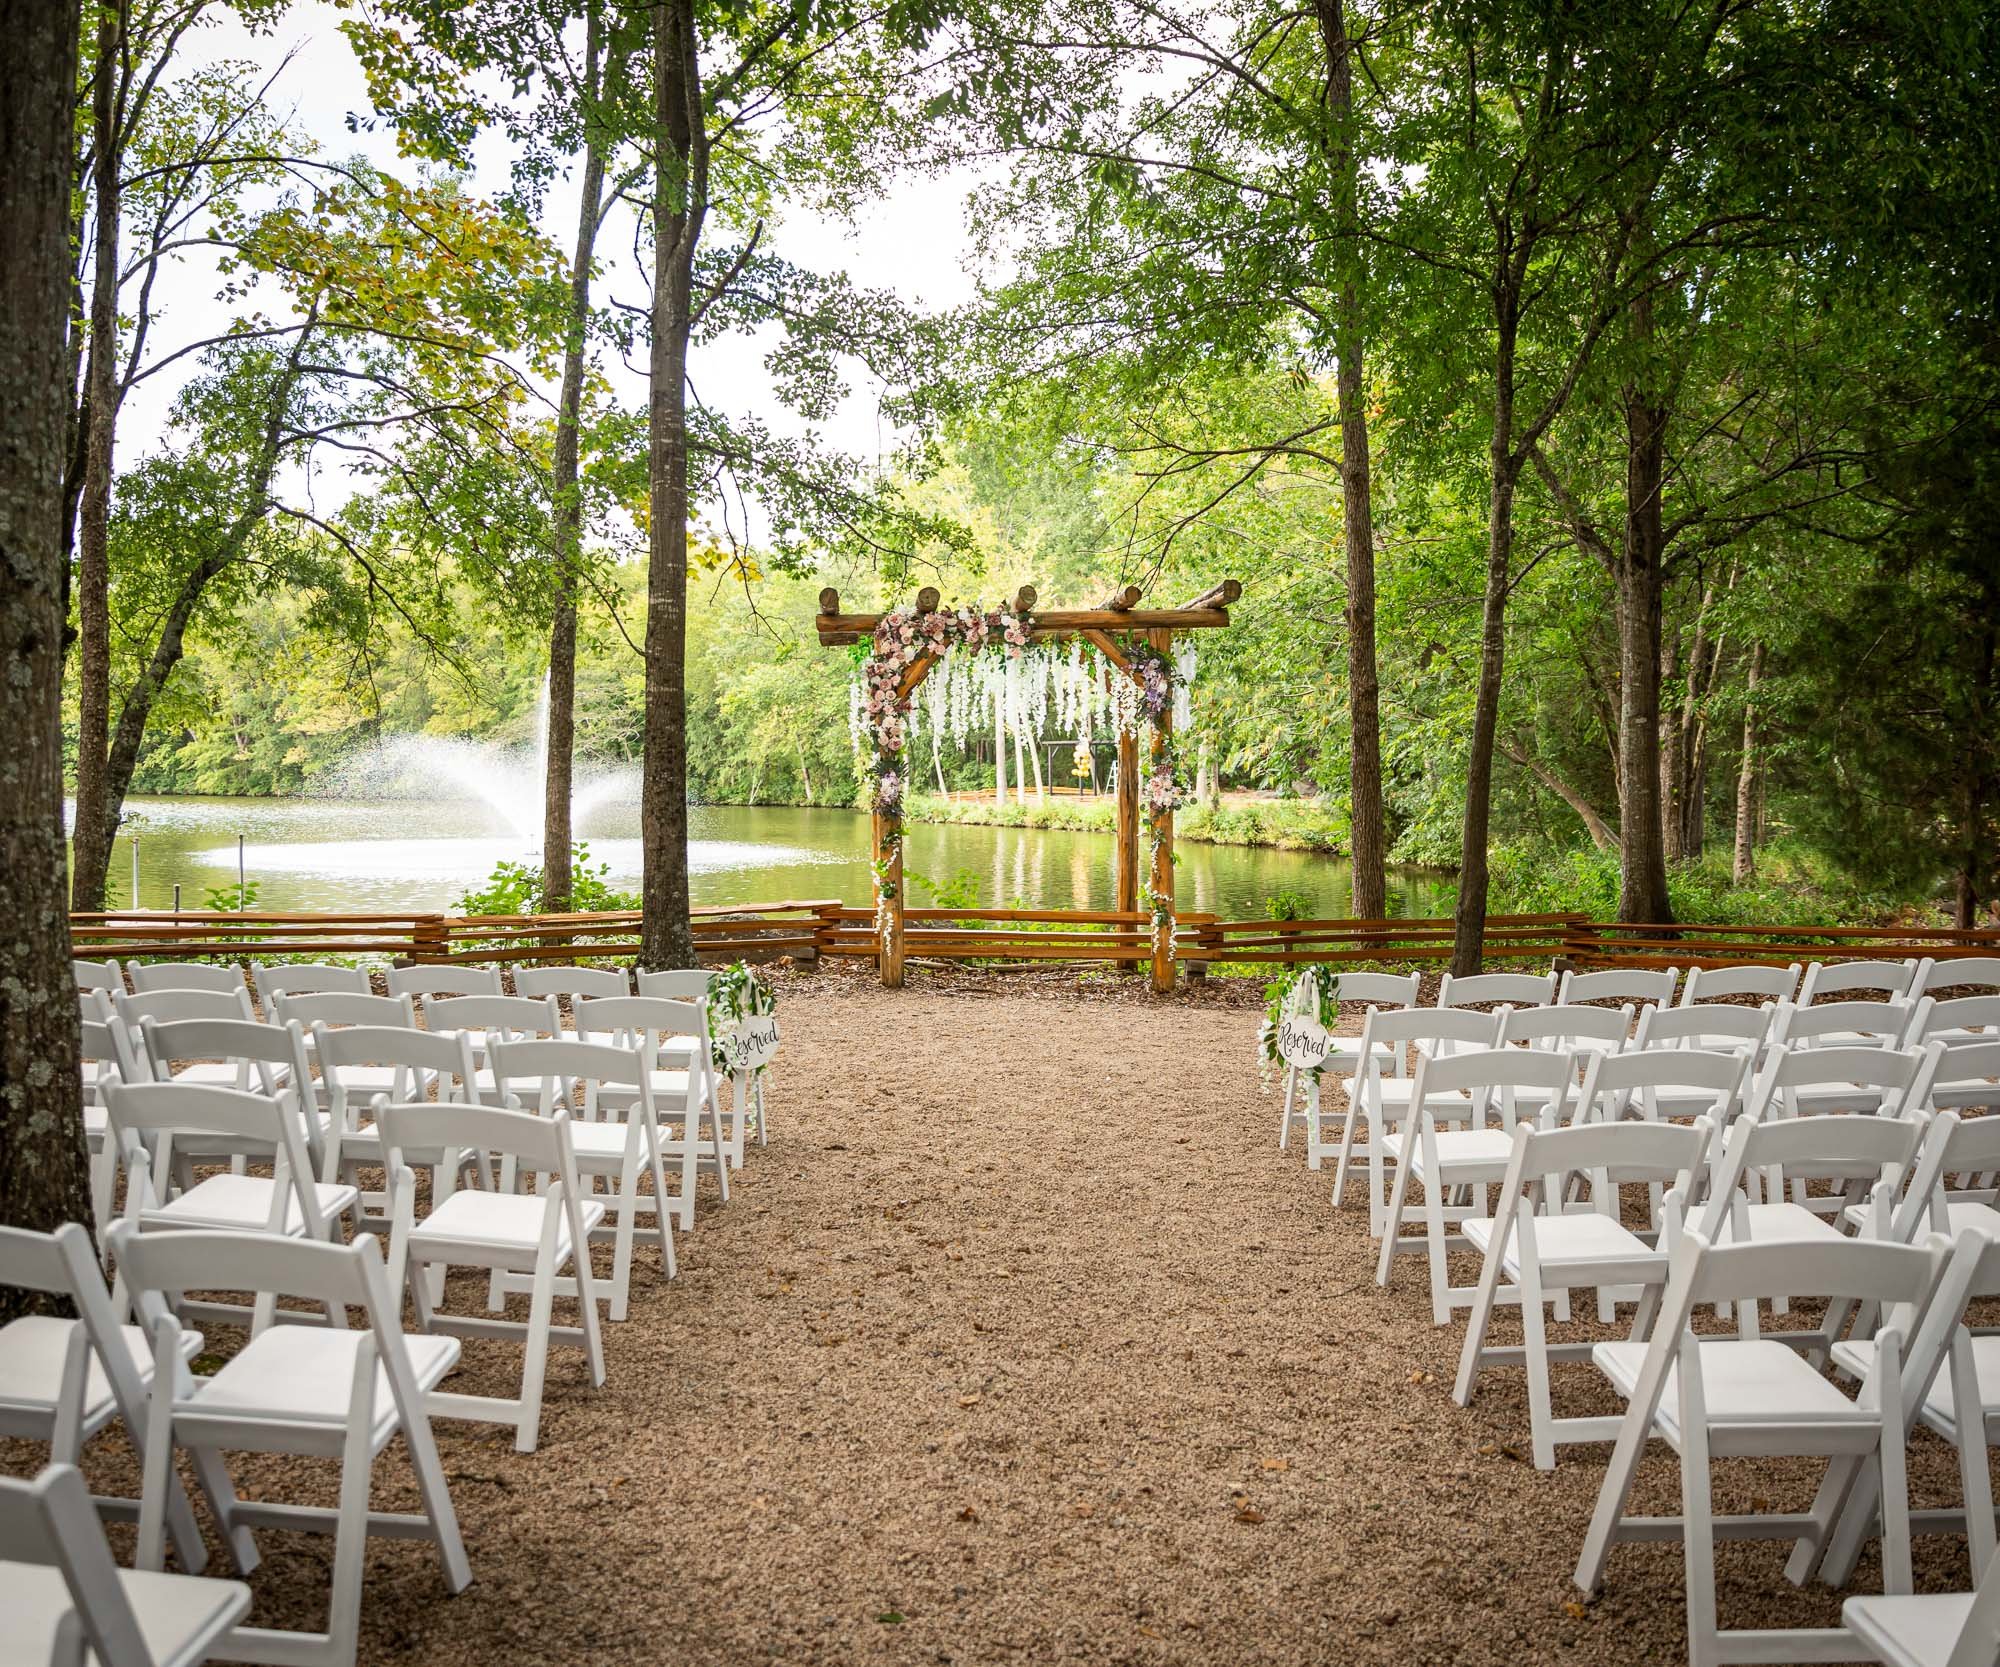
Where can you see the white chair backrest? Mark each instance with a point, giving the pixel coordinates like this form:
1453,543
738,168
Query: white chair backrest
345,1007
1621,984
1965,1073
423,1131
172,1042
52,1521
1962,1013
572,981
1877,1150
1972,973
445,1052
1383,989
110,1044
1831,978
544,1063
1885,1023
1616,1084
209,1119
430,979
1965,1149
1722,983
1443,1030
309,979
1858,1270
503,1015
1491,1076
1616,1152
171,1006
1526,988
1894,1073
676,983
148,977
98,975
1566,1028
1714,1027
649,1016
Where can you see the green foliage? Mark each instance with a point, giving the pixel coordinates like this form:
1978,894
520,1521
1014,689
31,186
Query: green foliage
960,891
515,888
1288,905
231,896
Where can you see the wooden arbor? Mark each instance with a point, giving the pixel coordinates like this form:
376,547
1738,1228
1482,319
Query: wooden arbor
1119,613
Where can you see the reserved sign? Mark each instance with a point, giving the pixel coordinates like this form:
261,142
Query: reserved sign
757,1041
1304,1043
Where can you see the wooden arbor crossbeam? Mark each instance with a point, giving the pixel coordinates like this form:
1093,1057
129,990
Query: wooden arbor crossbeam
1119,612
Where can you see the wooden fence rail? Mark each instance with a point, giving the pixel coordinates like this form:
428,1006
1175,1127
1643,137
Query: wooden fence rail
807,930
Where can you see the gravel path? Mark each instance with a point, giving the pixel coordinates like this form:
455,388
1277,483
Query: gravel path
1021,1342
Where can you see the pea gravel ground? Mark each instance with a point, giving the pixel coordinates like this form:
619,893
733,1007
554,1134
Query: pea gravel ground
1020,1342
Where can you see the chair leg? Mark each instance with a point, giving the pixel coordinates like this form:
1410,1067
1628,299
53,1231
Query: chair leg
1392,1215
662,1217
625,1202
1535,1354
436,1495
1978,1486
1471,1356
1698,1543
535,1358
350,1544
1434,1253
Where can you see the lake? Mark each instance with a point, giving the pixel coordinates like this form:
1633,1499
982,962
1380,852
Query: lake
380,855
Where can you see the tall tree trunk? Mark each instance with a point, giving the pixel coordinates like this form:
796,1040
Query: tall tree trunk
1642,861
1468,941
1600,832
1367,831
1670,735
96,819
44,1167
559,749
680,189
1743,867
1686,760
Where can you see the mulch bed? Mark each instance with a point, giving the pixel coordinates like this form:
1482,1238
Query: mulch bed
1022,1342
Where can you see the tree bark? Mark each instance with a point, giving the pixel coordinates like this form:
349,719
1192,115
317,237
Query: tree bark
1743,867
559,742
1682,813
1367,831
1599,830
1640,576
44,1166
679,204
1468,944
96,818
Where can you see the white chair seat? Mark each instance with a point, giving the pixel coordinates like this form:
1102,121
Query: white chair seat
1770,1223
220,1073
1396,1091
366,1081
1939,1403
304,1373
478,1220
31,1365
1960,1216
242,1203
1836,1097
1457,1149
179,1615
1586,1238
597,1143
1747,1384
1915,1631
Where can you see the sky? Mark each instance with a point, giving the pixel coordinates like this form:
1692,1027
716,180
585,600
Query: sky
914,242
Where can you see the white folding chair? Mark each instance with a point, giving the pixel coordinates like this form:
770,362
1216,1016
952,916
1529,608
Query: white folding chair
314,1011
1381,1088
1390,991
332,1393
1636,985
428,979
526,1240
1962,1019
1662,1085
360,1064
107,1061
68,1603
572,982
1837,978
264,1058
1524,989
676,983
1726,983
1974,973
485,1019
1951,1385
1465,1160
541,1075
1573,1030
1951,1184
673,1035
1749,1396
173,1006
288,1204
1936,1629
1537,1244
62,1380
106,976
1712,1027
151,977
1848,1024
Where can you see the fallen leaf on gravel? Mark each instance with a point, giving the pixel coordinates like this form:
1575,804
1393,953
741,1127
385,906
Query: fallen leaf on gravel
1489,1449
889,1617
968,1515
1149,1632
968,1400
1081,1508
1759,1503
1249,1513
1574,1610
1277,1464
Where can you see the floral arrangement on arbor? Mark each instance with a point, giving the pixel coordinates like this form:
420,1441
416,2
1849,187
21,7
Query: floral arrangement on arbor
1161,684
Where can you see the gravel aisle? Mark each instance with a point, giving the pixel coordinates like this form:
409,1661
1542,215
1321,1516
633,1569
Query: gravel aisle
1020,1342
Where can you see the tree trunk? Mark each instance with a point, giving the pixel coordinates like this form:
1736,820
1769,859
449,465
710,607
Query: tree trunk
1600,832
1670,737
44,1166
1682,813
1468,943
679,203
559,743
1367,831
1642,861
1208,779
96,818
1743,868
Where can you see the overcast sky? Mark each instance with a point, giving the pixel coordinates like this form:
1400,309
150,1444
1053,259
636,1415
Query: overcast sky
914,242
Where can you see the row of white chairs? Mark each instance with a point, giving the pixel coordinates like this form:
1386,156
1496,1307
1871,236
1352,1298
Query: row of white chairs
244,1189
261,981
1562,1111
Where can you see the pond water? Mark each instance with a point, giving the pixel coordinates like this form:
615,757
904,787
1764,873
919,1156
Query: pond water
382,855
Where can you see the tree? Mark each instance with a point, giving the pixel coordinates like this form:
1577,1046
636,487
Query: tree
43,1164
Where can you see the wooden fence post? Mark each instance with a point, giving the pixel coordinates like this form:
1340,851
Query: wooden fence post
889,894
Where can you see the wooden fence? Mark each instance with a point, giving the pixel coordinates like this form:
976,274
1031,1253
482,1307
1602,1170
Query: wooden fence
808,930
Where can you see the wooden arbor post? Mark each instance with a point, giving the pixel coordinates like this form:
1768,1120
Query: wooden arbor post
1120,612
